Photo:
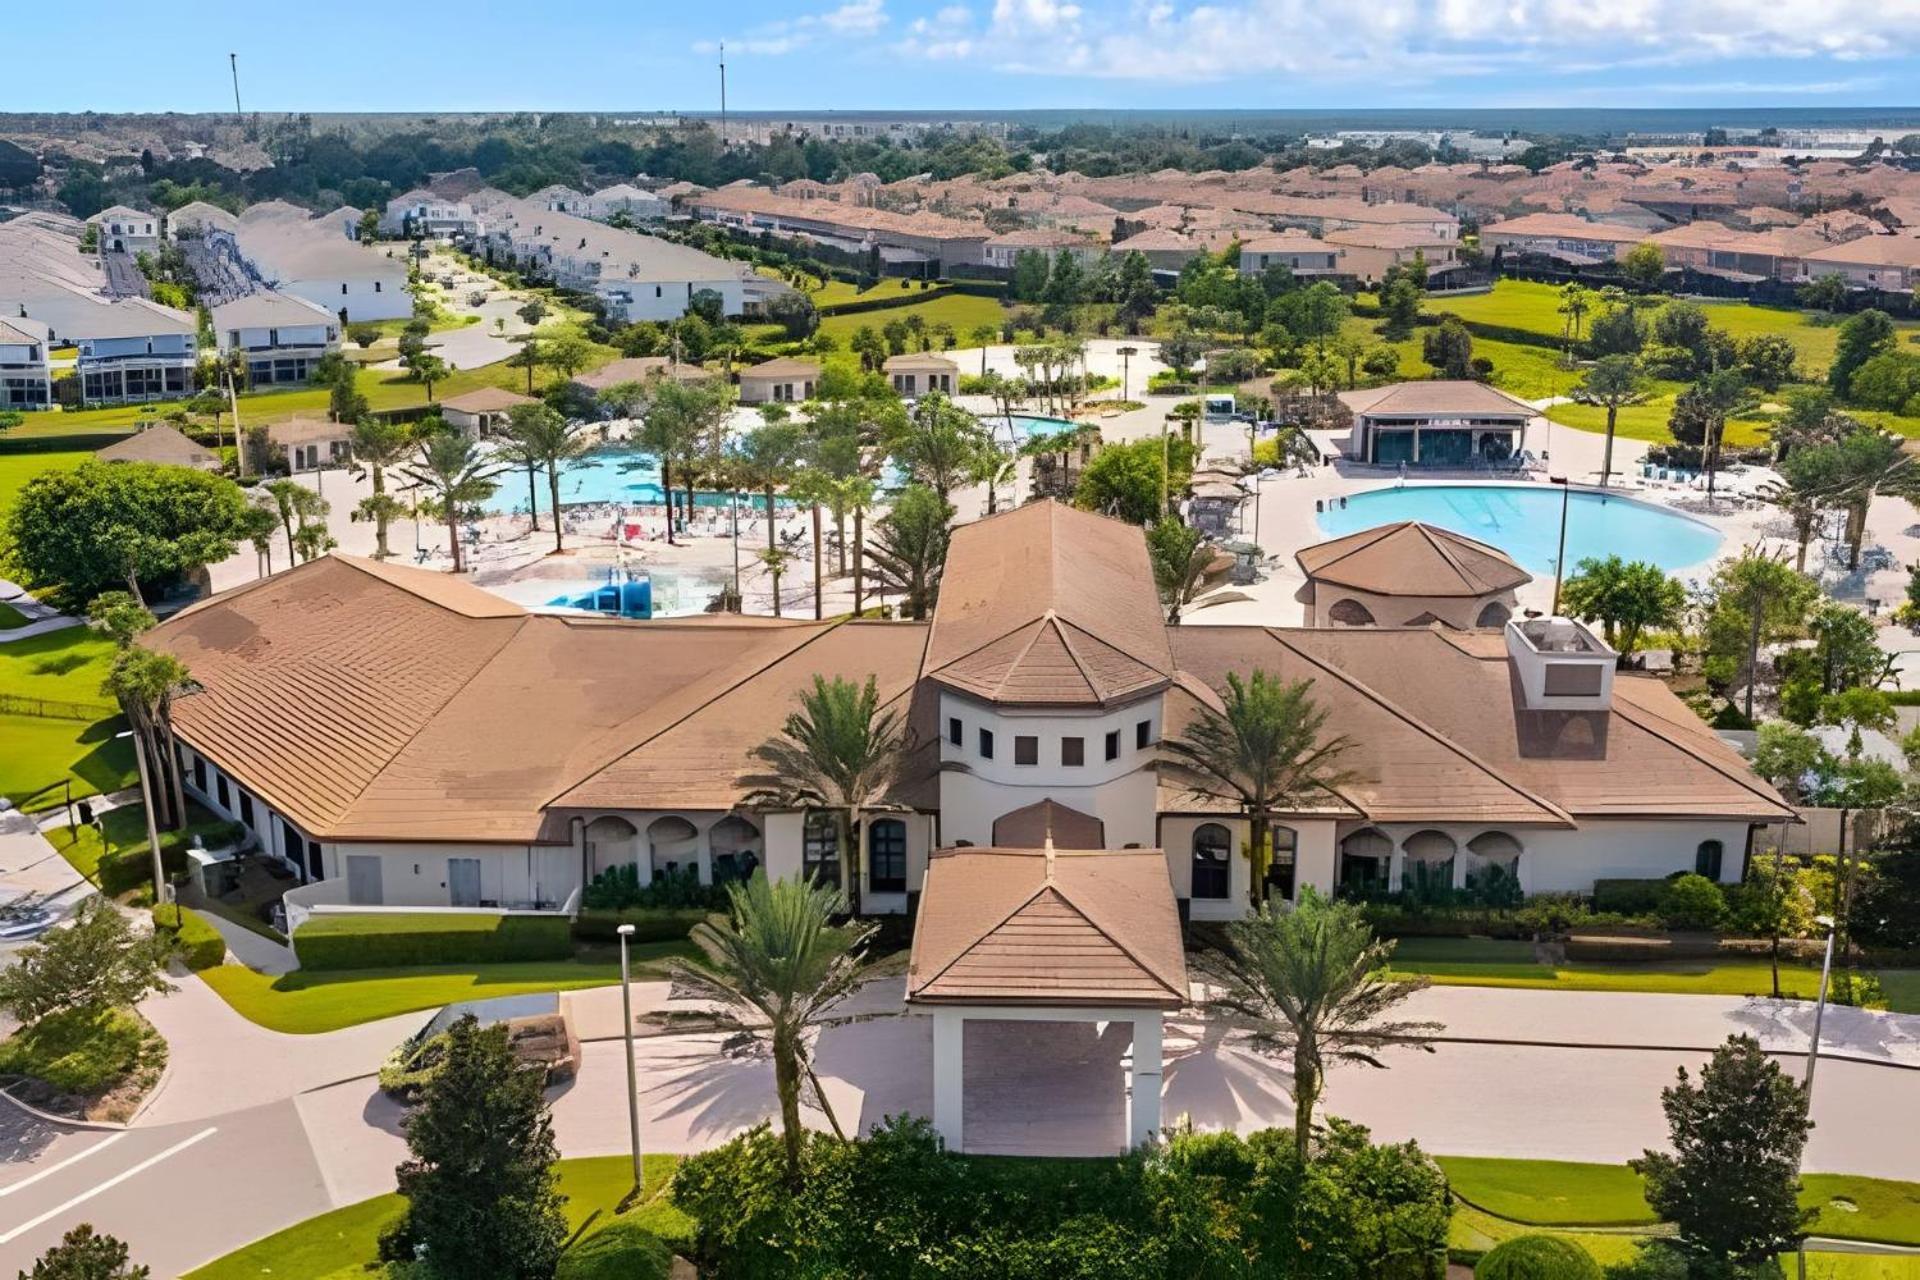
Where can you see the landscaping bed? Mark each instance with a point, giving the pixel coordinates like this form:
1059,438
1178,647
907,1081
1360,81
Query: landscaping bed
87,1064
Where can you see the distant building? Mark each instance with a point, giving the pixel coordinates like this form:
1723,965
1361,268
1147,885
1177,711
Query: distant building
483,411
164,444
124,230
281,336
420,214
780,381
922,372
26,382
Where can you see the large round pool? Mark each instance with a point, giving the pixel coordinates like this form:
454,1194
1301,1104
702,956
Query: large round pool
1524,521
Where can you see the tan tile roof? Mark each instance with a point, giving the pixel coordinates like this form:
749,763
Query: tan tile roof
1564,226
486,400
1046,604
639,369
1409,558
307,431
1041,927
160,443
782,367
1031,827
921,360
1437,396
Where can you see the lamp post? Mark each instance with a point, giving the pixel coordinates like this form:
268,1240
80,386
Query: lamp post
1560,560
1126,355
1813,1049
633,1088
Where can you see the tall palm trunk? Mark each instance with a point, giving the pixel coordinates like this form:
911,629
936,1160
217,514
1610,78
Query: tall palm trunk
859,558
666,491
453,534
786,1083
772,542
1257,857
170,763
1606,459
380,551
533,497
1307,1085
853,845
553,504
819,566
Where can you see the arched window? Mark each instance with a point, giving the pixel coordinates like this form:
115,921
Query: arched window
887,856
1365,856
1350,613
819,850
1286,845
1429,862
1708,857
671,843
1212,870
1493,867
736,848
610,843
1493,614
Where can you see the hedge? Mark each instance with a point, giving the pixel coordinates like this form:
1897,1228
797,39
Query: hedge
201,945
1629,897
1537,1257
891,301
404,939
650,924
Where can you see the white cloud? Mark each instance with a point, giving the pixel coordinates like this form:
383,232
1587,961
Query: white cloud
856,18
852,20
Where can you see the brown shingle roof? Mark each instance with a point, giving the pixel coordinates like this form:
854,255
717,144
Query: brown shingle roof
639,369
1032,926
163,444
1409,558
1438,396
782,367
1031,827
486,400
1046,604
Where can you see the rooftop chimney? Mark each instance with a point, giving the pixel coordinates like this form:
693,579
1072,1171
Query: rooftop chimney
1560,665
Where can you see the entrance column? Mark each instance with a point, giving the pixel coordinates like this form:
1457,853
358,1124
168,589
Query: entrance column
1143,1080
949,1056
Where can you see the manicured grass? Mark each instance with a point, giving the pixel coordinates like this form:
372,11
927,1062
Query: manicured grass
961,310
36,754
124,850
84,1051
67,665
11,618
345,1242
303,1003
17,468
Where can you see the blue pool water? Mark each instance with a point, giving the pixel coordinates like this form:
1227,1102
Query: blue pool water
1524,521
611,473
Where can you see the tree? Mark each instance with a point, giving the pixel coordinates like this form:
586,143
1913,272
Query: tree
1700,413
909,549
532,312
1575,302
840,751
870,347
1863,336
427,368
297,508
1264,750
1449,349
1131,481
777,967
1181,352
1849,471
795,314
530,356
1752,600
83,1254
1400,302
340,377
99,525
1180,556
95,964
1644,264
939,445
567,354
452,467
377,445
1381,363
774,560
1616,331
1613,381
1826,293
1731,1187
684,423
1030,271
1309,984
479,1183
1683,325
1886,912
1625,597
766,458
1766,359
545,439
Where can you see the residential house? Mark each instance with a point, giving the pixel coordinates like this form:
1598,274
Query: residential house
133,350
1368,252
280,336
124,230
312,444
780,381
420,214
486,757
924,241
1408,574
1301,254
1562,237
162,443
1436,424
483,411
641,206
313,259
1888,263
1001,250
26,381
919,372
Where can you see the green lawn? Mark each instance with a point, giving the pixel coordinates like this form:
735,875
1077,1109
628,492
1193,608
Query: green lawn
11,618
35,753
961,310
302,1003
1482,962
126,833
345,1242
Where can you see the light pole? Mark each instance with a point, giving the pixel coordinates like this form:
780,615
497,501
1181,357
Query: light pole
1813,1049
633,1088
1560,561
1126,355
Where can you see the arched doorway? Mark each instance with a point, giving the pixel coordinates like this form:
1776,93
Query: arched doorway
672,845
1493,866
736,846
610,842
1212,862
1428,866
1366,857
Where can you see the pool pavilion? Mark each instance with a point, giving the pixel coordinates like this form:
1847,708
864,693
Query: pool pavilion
1436,424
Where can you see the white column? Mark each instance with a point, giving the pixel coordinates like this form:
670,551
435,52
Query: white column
1143,1081
949,1039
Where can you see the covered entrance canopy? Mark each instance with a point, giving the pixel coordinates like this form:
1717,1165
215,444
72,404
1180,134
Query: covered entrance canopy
1047,935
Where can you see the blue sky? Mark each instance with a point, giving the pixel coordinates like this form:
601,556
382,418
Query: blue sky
869,54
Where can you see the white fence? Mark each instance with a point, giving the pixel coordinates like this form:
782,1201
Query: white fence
330,897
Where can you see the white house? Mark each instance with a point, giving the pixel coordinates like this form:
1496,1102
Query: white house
420,214
469,753
313,258
1301,254
124,230
915,373
25,380
641,206
281,336
133,350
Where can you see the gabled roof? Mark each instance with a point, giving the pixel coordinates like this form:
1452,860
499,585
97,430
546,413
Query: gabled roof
1409,558
1049,605
268,308
1048,927
1436,396
1033,826
486,400
162,443
782,367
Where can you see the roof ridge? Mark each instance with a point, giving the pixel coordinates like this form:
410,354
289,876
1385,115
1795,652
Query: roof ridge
1445,552
1118,945
1066,642
958,956
1395,709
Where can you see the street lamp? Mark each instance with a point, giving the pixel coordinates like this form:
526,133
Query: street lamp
1126,354
1560,561
1819,1013
633,1088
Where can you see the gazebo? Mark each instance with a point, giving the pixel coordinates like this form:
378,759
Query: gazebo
1047,936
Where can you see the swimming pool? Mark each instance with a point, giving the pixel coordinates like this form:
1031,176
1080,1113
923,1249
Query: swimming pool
609,473
1524,521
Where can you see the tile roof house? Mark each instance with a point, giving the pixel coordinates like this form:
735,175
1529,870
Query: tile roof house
161,443
401,737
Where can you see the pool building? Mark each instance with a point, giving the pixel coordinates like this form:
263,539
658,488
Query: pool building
1408,574
403,739
1436,424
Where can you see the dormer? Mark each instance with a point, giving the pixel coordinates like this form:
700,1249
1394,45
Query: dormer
1560,665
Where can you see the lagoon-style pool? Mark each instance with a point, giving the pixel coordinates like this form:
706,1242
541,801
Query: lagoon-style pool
1524,521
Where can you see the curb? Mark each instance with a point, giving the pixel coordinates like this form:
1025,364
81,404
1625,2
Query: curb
1826,1055
104,1126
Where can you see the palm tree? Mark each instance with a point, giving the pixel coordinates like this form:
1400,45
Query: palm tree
377,445
539,434
1264,750
258,525
776,967
1307,983
909,550
993,465
528,357
1574,305
428,368
857,493
1180,556
143,683
452,467
764,459
939,445
983,336
815,488
1612,382
840,751
775,560
297,508
684,423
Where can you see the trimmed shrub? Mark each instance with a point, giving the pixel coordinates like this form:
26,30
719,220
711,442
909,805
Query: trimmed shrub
198,943
619,887
1628,897
1693,902
1537,1258
85,1051
650,924
401,940
622,1251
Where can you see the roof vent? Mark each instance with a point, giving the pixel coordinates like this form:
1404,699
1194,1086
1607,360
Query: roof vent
1561,665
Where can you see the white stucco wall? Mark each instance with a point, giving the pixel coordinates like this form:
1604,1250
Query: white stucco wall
1395,611
785,838
416,875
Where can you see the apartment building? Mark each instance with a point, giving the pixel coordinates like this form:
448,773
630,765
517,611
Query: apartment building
1003,249
929,241
1562,237
312,259
1890,263
421,214
280,335
1367,252
25,380
133,350
124,230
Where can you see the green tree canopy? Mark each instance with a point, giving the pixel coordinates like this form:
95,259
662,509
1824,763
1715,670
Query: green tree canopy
1625,597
